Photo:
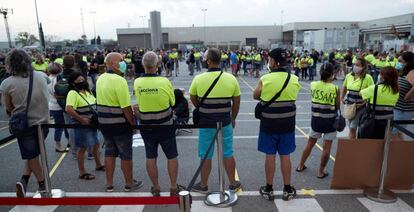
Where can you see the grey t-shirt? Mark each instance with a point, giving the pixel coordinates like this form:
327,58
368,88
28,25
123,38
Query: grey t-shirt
18,87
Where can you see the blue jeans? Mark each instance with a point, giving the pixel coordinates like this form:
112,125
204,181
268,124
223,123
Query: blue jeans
400,115
59,119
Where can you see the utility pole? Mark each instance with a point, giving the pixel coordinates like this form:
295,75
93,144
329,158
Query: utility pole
83,27
39,27
204,14
4,12
143,28
94,28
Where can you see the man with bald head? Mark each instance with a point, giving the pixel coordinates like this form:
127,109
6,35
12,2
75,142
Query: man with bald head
115,119
155,99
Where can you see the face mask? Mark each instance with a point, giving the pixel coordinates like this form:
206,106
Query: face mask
82,85
399,66
357,69
122,66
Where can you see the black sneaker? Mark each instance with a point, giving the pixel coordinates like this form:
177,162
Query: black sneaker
267,193
109,189
42,190
135,186
21,189
288,195
237,186
197,188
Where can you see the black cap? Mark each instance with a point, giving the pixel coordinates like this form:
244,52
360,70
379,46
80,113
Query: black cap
279,55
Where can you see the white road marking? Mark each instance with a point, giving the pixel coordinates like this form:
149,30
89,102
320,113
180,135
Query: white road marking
23,208
234,137
137,140
199,206
114,208
399,206
308,205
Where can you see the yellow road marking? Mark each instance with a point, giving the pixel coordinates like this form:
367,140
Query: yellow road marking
57,164
317,145
6,144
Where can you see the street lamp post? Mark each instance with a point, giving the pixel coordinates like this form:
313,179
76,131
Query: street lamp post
94,28
143,28
38,27
204,14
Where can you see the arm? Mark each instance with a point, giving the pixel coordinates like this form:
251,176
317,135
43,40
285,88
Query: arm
235,106
75,115
129,115
410,78
343,93
338,100
194,100
257,91
136,111
8,103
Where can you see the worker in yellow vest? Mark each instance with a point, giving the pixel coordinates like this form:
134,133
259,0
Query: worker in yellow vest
197,56
40,64
257,63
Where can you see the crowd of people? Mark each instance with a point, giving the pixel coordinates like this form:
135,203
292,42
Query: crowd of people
60,89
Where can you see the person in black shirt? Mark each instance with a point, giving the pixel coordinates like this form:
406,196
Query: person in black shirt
191,62
348,61
137,60
81,65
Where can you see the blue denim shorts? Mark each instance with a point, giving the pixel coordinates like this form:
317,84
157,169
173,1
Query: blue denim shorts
118,145
206,135
85,138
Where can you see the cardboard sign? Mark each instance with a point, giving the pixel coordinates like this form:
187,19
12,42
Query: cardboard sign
358,164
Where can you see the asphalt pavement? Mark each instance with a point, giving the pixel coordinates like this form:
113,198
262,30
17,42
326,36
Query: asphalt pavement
314,194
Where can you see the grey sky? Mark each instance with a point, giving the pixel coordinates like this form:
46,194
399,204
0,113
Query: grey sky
62,18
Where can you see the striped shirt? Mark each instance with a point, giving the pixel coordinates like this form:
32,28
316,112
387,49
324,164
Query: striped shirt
405,87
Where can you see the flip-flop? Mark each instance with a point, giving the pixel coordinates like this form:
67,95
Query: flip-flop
86,176
323,176
301,170
101,168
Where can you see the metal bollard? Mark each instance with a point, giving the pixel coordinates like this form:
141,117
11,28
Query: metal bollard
221,198
185,201
380,194
50,193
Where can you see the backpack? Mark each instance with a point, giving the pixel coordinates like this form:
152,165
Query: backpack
61,90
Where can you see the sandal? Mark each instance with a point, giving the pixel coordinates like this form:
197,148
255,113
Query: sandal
86,176
323,176
101,168
301,170
155,192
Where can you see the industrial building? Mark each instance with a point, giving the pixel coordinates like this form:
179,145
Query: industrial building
378,33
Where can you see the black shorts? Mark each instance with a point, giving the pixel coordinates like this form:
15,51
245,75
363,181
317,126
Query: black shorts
29,144
169,147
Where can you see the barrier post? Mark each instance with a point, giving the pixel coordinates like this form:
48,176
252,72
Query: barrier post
185,201
221,198
381,194
50,193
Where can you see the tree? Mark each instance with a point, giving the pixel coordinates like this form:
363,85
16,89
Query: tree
26,39
111,44
50,39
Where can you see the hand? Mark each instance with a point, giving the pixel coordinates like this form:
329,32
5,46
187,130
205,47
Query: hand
407,99
233,123
85,121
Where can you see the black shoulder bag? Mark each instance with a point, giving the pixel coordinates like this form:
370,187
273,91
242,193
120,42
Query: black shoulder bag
94,117
340,122
19,122
367,123
259,107
196,111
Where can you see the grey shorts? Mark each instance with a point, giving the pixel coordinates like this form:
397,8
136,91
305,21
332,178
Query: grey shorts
353,123
326,136
118,145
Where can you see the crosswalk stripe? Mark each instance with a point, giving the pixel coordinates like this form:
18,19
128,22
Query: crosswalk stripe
21,208
308,205
399,206
199,206
115,208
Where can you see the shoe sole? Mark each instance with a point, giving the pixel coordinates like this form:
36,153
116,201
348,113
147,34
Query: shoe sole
200,191
20,193
133,189
267,196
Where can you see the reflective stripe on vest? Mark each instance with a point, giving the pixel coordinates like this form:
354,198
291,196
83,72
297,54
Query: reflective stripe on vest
279,110
354,97
383,112
159,117
110,115
216,110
